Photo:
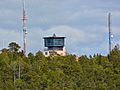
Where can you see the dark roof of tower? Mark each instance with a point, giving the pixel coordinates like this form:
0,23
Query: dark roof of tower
54,36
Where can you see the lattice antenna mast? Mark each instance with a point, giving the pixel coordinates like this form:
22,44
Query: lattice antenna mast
109,27
24,18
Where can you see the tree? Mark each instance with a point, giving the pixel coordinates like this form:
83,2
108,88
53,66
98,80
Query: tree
13,47
117,47
4,50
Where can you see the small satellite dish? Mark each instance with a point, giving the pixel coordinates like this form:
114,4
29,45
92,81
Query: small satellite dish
112,36
26,32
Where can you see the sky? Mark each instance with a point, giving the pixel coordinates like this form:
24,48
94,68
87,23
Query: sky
82,22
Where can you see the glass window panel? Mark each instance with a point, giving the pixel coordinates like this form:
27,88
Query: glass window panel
58,42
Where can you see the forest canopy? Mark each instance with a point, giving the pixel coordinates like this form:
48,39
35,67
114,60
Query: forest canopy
37,72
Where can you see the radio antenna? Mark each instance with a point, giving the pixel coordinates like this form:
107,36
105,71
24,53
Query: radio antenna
109,27
24,18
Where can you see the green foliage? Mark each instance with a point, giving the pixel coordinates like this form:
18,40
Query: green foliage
36,72
14,47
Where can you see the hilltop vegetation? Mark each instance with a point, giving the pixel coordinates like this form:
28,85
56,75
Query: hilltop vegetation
36,72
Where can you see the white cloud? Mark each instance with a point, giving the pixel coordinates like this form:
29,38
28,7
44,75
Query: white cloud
7,36
75,38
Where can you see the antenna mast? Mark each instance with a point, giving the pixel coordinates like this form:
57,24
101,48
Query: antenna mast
24,18
109,27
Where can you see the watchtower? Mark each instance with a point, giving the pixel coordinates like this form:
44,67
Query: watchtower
54,46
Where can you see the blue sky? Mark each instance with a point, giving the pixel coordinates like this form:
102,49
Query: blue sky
83,22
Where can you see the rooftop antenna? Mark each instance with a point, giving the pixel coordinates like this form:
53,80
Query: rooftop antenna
24,18
109,27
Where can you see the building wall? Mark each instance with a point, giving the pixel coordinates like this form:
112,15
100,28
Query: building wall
55,52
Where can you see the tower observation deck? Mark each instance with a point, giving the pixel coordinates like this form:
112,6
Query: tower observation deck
54,45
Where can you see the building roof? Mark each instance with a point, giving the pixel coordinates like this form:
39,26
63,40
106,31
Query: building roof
53,37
